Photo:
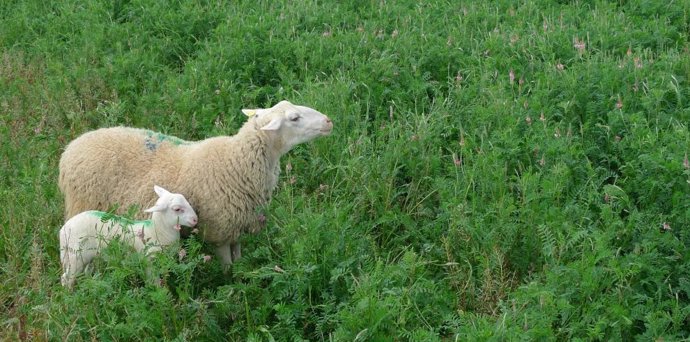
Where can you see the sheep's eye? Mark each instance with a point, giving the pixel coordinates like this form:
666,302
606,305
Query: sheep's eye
294,118
178,210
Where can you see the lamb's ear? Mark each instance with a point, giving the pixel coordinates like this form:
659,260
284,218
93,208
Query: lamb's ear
273,125
155,208
160,191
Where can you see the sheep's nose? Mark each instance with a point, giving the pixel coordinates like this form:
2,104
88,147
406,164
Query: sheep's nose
193,221
328,120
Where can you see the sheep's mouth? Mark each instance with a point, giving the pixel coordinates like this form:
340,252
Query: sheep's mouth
326,131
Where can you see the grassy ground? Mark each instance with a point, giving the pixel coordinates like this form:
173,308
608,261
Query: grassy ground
508,170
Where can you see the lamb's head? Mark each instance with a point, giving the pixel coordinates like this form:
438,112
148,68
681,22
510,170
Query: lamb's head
173,208
291,123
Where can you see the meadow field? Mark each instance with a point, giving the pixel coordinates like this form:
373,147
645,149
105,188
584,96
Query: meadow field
499,170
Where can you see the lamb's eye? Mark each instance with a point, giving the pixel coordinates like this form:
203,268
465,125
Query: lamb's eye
295,118
178,210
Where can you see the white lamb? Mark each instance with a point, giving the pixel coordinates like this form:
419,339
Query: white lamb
84,235
227,179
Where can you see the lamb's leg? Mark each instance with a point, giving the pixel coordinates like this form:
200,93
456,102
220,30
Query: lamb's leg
224,253
88,269
150,275
236,251
73,265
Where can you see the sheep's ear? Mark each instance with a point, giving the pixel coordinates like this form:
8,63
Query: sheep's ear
155,208
252,112
160,191
249,112
273,125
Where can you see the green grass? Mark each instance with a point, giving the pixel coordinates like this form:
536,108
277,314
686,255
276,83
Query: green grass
498,170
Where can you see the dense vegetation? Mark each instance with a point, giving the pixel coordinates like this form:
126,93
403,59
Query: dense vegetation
510,170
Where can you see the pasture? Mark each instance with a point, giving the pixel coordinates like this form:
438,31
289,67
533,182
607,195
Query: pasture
500,170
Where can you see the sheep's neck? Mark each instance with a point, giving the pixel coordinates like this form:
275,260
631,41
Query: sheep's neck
262,154
268,148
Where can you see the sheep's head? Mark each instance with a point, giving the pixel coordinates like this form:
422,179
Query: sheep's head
175,209
293,124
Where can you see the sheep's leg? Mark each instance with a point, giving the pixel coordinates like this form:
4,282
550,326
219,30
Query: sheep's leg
224,253
88,269
67,278
152,277
236,251
73,265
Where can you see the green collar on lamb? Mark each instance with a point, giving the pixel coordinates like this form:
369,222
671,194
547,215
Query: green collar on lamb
106,217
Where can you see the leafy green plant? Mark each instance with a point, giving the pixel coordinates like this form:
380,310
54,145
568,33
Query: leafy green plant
497,171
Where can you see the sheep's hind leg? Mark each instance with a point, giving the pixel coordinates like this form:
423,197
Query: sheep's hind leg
236,251
224,253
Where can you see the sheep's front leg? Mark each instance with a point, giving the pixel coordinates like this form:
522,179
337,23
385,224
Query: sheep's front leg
72,265
224,253
236,251
150,276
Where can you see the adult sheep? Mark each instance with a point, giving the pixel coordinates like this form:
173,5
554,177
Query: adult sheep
226,179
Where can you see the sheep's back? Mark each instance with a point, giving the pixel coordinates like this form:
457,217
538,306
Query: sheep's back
114,166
